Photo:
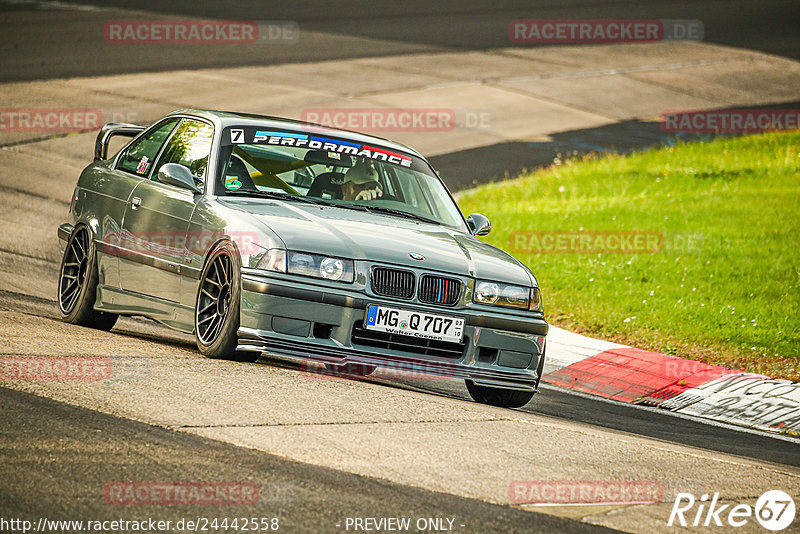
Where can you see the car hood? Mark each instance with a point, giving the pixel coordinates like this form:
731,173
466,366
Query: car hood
382,238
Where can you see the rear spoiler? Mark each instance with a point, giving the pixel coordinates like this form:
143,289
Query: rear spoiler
110,130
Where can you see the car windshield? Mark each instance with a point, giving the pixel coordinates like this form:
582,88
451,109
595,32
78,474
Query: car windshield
336,172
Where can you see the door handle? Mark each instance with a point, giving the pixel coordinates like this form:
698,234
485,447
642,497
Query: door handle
136,202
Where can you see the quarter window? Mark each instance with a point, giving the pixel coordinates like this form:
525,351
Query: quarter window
189,146
138,158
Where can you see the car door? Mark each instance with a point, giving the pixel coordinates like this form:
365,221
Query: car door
117,182
158,215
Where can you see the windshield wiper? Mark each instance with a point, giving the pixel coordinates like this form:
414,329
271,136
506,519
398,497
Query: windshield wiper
279,195
399,213
350,207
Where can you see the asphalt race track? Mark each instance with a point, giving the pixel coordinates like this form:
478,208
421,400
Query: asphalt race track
320,449
305,497
352,29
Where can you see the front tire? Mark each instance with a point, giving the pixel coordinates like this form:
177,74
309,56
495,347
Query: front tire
216,317
505,398
77,283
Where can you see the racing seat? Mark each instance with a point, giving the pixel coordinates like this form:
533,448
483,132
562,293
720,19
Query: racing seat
327,183
236,167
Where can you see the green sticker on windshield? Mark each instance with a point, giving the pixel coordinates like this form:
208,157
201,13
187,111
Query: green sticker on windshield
232,183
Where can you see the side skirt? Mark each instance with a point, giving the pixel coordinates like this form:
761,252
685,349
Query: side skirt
172,314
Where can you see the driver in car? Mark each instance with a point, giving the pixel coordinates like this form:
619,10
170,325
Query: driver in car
361,183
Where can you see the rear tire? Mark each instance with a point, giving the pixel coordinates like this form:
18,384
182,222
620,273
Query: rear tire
77,283
216,315
505,398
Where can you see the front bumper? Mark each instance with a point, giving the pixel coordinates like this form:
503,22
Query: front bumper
323,324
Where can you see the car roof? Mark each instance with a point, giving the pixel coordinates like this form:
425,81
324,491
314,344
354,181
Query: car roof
229,118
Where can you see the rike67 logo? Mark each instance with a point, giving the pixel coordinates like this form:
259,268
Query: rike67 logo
774,510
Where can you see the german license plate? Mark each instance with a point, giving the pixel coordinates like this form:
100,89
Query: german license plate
414,323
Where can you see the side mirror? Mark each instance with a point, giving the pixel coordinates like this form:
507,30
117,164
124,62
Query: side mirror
479,224
177,175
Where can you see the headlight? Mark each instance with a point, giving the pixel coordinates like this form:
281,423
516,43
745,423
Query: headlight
305,264
273,260
502,295
334,269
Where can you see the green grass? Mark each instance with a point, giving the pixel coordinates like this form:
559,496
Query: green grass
724,288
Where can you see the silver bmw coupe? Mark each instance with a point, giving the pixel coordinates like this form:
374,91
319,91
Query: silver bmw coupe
268,236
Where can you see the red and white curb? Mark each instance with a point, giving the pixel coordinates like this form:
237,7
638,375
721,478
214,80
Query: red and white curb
689,387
